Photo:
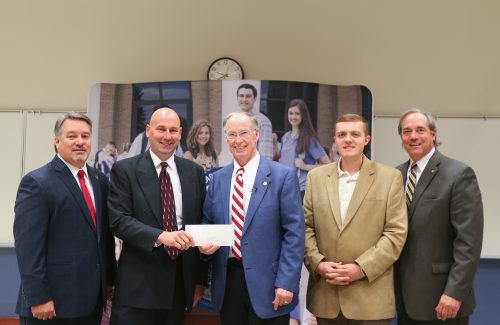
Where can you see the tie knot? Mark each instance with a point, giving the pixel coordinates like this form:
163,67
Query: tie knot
240,171
81,173
414,166
163,165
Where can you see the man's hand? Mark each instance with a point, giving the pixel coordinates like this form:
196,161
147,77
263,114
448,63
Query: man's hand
178,239
447,307
345,274
44,311
198,294
282,297
339,274
327,270
208,249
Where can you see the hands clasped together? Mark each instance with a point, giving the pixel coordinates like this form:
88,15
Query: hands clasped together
336,273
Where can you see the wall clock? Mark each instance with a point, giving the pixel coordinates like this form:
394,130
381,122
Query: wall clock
225,69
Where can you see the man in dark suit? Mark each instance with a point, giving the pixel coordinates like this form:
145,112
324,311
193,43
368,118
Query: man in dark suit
256,281
435,272
158,270
64,248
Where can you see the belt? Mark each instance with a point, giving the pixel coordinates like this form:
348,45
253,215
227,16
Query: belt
235,262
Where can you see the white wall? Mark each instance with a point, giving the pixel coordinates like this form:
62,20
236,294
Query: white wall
438,55
473,141
441,56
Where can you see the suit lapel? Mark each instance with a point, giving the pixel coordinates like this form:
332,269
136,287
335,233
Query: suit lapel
94,180
363,185
150,185
187,181
403,168
332,188
70,182
430,171
225,189
260,186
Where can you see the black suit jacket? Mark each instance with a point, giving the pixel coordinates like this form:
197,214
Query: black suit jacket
146,275
61,256
445,232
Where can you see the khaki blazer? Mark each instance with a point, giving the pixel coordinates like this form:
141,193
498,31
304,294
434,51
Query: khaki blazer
372,235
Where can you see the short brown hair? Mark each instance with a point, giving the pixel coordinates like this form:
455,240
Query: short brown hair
353,118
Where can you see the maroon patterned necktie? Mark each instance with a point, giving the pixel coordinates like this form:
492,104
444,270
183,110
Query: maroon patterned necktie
168,207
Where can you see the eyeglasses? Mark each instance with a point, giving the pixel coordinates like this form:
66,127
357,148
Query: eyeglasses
242,135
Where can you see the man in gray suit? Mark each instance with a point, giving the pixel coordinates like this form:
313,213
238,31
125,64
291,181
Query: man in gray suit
435,272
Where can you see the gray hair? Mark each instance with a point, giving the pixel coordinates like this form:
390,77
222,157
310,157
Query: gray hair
70,116
234,114
430,120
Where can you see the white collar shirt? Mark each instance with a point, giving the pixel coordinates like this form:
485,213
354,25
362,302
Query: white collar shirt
248,183
347,183
74,171
421,164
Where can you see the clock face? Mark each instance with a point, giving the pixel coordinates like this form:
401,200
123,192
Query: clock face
225,69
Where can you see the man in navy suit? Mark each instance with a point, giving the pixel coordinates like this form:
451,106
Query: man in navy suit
152,285
256,281
63,246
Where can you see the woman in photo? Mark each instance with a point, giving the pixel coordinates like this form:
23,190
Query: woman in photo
200,146
300,147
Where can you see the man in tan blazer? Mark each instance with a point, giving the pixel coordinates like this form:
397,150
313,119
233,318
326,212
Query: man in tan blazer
356,226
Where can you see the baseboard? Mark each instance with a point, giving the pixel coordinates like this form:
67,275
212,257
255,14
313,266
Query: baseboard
197,317
9,321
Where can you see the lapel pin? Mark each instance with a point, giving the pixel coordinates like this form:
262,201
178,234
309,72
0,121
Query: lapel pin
264,183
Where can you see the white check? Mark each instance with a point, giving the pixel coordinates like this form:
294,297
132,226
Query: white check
219,235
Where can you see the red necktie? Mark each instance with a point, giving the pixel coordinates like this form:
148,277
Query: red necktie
238,212
168,207
86,196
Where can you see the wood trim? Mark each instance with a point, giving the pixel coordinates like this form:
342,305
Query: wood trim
9,321
196,317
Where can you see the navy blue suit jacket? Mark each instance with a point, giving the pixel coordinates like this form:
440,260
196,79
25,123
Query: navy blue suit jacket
272,244
61,256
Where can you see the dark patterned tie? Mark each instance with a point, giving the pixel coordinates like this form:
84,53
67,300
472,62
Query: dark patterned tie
238,212
411,183
168,207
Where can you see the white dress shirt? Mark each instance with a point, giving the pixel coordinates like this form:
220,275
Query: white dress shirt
74,170
176,183
420,166
347,183
248,181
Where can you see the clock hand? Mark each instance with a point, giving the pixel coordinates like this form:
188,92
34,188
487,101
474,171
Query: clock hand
220,73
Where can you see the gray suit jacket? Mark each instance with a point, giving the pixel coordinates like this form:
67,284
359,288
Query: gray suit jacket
445,233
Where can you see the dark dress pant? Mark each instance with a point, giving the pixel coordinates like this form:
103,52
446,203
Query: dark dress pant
126,315
237,307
